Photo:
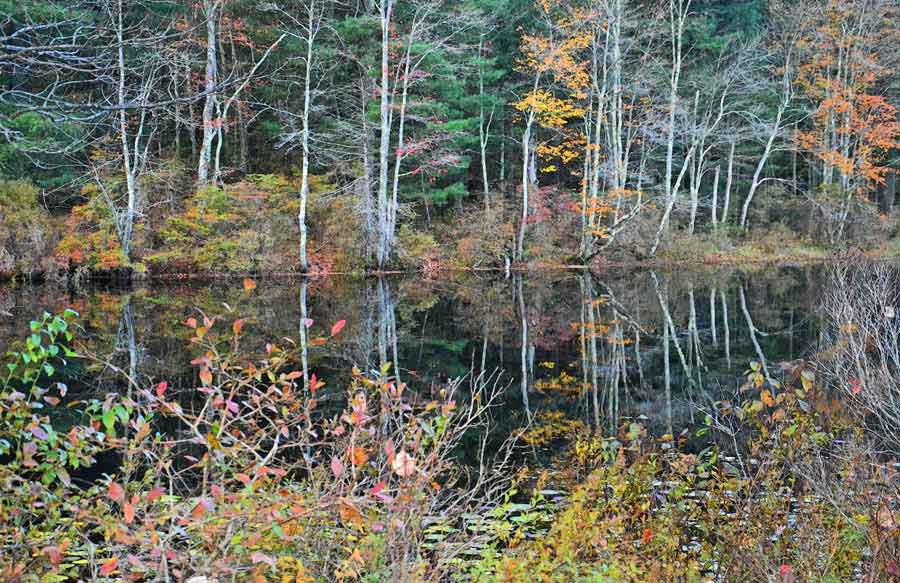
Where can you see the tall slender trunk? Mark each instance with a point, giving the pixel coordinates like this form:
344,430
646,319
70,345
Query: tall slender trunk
368,200
526,178
677,21
484,129
401,136
125,219
728,182
384,243
761,164
503,163
209,106
715,198
304,172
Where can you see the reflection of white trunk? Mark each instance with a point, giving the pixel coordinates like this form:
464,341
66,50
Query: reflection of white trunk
126,341
523,316
694,333
484,349
668,379
585,361
662,296
753,330
387,328
637,356
304,343
712,317
593,357
725,329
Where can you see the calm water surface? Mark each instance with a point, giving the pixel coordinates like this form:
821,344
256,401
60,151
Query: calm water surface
595,347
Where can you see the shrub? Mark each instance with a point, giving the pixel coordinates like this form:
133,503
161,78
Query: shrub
259,472
90,240
416,249
244,227
27,232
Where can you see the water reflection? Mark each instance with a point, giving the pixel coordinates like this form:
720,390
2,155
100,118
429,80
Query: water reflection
598,348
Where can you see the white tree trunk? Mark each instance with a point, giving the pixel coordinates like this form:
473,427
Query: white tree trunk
757,174
209,106
728,182
678,10
715,198
384,246
304,136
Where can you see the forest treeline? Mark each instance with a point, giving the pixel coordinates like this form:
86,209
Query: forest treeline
325,135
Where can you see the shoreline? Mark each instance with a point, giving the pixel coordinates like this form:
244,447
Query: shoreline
734,260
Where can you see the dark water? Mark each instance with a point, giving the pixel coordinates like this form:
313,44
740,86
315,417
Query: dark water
592,346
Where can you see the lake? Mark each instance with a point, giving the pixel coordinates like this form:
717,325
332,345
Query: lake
594,347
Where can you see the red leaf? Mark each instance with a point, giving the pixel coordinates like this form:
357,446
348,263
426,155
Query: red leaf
378,492
161,389
337,468
338,326
243,478
389,450
249,285
115,492
205,377
232,406
155,493
53,554
129,512
199,510
308,323
237,327
191,322
109,566
787,574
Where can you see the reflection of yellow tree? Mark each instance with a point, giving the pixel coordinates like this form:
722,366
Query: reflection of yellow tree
603,349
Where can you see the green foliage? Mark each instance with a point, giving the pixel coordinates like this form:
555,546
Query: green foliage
27,232
243,227
417,249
